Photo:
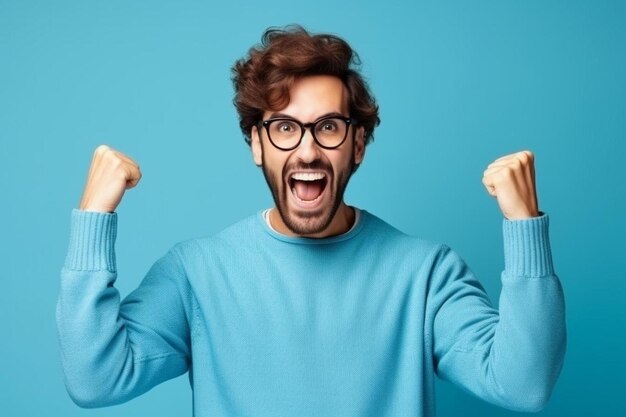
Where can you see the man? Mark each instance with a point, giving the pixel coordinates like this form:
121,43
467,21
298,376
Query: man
312,307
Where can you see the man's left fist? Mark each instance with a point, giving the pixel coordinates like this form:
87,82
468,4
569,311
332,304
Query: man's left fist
511,180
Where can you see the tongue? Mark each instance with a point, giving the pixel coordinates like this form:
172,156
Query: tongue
308,190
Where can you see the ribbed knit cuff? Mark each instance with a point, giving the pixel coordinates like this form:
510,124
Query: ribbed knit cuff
92,241
527,247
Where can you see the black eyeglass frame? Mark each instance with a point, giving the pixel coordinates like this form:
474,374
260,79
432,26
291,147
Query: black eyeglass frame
304,126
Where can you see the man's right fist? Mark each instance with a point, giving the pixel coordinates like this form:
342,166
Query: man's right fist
110,175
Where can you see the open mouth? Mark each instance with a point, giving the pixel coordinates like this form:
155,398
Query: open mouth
307,187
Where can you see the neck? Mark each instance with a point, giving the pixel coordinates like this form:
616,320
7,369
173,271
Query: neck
342,222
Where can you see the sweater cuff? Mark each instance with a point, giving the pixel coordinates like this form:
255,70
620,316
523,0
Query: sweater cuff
527,247
92,241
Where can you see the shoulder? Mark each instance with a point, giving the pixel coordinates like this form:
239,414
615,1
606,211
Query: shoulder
234,235
384,235
426,262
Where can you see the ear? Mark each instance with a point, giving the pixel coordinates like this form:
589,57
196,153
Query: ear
257,148
359,145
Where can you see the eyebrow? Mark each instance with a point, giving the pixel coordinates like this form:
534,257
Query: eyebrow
286,116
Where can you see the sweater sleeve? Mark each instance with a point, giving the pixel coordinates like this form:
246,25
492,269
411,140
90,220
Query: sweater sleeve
113,351
513,357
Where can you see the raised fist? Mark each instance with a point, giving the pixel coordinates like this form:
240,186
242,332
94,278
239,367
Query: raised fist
110,175
511,180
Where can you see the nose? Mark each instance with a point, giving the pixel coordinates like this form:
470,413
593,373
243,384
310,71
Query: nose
308,150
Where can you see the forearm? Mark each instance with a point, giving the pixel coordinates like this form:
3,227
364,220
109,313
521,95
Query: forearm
530,340
512,357
106,359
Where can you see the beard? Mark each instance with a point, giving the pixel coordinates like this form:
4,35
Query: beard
307,222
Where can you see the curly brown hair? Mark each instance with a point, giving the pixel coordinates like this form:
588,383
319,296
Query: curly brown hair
262,79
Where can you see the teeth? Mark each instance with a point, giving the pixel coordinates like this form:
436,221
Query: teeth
307,176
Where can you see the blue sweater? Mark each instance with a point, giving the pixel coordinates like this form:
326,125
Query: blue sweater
270,325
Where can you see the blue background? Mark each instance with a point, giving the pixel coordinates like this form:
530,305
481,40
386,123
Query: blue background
459,84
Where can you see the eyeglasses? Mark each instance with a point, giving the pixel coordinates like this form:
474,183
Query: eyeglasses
286,134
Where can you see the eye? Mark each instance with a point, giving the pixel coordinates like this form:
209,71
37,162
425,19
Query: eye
286,126
328,126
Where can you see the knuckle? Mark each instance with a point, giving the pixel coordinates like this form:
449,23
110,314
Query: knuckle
503,175
113,158
115,162
108,153
524,157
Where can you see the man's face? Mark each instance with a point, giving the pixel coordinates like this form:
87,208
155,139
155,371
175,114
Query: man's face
308,182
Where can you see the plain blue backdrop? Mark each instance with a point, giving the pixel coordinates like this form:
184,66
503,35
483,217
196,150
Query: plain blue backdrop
459,84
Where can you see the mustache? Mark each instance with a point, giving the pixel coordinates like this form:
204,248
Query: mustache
317,165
